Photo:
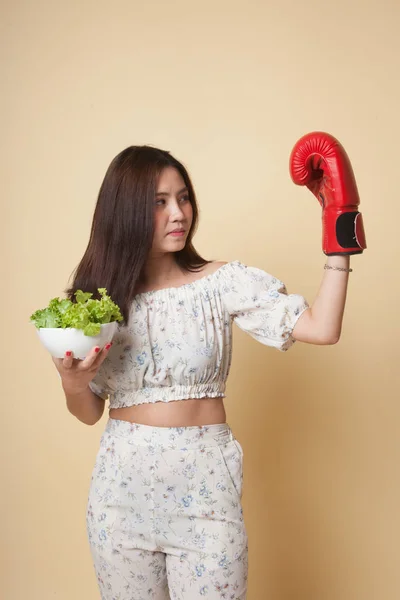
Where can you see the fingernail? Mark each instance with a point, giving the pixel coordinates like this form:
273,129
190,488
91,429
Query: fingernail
97,349
68,353
108,345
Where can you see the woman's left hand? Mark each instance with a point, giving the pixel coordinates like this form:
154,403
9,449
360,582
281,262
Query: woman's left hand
320,162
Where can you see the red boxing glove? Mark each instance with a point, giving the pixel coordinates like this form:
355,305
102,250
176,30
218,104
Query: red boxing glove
320,162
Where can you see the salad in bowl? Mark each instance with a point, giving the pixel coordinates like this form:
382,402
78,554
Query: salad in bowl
77,326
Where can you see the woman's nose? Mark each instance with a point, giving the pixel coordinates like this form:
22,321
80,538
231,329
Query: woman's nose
176,212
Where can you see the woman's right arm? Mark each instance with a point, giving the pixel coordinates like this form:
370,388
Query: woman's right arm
85,405
76,375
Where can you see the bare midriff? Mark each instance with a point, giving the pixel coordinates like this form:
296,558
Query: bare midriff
177,413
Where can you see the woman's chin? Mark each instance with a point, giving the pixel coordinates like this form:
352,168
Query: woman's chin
176,244
171,246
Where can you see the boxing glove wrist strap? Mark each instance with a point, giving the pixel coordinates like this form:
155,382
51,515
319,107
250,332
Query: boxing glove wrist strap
338,268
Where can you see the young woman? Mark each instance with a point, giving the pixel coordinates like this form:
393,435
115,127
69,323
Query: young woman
164,514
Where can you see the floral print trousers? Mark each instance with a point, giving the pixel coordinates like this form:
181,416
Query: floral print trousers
164,514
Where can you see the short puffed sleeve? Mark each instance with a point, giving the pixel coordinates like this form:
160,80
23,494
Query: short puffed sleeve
260,305
97,385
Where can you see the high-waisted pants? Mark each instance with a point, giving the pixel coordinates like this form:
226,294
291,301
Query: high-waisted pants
164,514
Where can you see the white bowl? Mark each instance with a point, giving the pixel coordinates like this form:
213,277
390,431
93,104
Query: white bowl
57,340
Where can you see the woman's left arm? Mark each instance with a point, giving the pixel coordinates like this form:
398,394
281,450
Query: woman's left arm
322,322
319,162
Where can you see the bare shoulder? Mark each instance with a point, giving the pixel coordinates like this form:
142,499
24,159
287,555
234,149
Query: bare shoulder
213,266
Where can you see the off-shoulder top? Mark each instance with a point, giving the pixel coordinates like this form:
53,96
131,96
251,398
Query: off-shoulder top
177,342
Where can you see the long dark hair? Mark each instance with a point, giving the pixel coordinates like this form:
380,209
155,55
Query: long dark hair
122,228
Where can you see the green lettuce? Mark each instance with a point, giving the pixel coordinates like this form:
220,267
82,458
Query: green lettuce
86,313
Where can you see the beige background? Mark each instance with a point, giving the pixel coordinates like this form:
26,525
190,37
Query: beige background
228,87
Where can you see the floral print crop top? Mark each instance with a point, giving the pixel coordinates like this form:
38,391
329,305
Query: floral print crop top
177,343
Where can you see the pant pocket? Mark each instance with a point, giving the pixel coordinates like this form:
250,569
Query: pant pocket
232,465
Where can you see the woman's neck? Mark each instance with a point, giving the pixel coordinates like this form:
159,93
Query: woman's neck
159,271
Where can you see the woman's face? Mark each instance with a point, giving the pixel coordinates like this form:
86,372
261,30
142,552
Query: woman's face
172,212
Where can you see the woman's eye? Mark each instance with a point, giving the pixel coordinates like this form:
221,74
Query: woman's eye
160,202
185,198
